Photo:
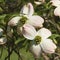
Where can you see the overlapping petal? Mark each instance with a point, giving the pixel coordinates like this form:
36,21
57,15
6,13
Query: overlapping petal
48,46
28,31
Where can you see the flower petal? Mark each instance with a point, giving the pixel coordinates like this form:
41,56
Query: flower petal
35,20
3,40
1,31
36,50
57,11
44,33
55,3
28,31
31,9
24,10
27,9
14,21
48,46
38,2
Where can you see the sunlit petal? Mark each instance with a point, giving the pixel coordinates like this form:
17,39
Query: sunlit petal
44,33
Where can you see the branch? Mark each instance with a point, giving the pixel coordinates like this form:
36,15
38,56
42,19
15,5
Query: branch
45,56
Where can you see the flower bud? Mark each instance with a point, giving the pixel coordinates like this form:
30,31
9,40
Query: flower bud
9,31
19,31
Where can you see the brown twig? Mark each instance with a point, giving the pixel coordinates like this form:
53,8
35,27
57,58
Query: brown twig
45,56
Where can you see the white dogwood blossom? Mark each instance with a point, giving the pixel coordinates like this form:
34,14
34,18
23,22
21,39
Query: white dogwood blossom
34,20
14,21
46,44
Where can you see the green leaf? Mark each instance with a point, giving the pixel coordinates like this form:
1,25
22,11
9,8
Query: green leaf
53,36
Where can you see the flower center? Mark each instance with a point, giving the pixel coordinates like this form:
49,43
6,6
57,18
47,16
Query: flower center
23,20
37,39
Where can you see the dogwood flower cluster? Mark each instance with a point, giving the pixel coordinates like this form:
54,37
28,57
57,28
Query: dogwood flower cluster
41,42
56,3
27,11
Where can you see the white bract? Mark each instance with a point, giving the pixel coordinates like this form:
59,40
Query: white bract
3,40
36,50
55,3
46,44
14,21
57,11
34,20
1,31
44,33
39,2
28,31
27,9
